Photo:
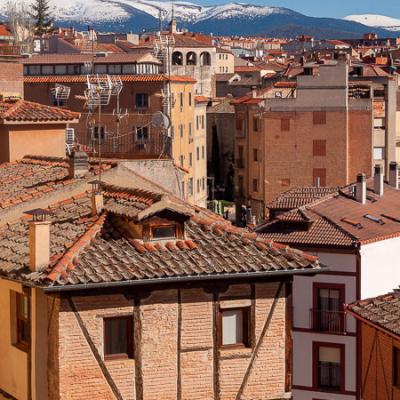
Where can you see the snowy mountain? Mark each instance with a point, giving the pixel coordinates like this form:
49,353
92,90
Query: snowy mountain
225,19
376,21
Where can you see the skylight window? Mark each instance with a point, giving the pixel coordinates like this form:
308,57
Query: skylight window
374,219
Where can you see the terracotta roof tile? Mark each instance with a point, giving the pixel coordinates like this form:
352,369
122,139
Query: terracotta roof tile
26,111
86,250
382,311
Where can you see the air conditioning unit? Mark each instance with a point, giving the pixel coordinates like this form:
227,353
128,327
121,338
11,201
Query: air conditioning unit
70,136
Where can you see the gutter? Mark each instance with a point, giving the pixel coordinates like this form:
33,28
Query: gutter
200,278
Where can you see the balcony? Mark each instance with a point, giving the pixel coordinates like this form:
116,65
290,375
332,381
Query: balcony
328,321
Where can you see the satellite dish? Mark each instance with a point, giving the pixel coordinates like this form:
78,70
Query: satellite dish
160,120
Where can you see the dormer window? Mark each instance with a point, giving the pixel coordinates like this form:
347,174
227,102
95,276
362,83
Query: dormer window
162,232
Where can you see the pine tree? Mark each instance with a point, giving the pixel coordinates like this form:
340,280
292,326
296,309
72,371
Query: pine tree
41,16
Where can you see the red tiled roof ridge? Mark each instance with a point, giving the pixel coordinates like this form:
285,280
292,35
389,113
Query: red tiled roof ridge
44,160
67,260
145,196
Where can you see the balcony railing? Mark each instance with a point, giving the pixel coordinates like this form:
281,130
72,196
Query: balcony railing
328,321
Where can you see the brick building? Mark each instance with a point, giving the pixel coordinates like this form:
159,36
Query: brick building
379,363
134,294
131,134
317,133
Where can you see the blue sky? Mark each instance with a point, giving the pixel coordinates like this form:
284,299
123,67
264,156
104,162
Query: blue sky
330,8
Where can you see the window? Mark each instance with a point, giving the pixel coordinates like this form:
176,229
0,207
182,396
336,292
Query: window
197,122
190,99
285,124
98,133
21,337
181,100
198,153
202,122
241,185
240,160
190,133
396,367
319,147
256,156
203,152
190,187
329,366
234,327
379,123
75,69
379,153
203,183
60,69
142,100
190,159
183,189
47,70
118,337
255,124
114,69
182,158
255,185
319,117
319,177
328,315
198,185
163,232
142,134
181,130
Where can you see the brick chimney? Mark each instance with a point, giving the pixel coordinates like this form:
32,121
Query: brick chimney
78,164
361,188
39,240
97,197
378,180
394,174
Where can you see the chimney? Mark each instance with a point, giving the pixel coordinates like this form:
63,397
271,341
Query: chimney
78,164
394,174
378,180
97,197
39,240
361,188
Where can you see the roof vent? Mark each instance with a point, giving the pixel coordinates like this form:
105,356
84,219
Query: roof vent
394,174
378,180
361,188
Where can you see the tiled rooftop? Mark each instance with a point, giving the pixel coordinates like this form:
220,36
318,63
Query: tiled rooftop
382,311
300,196
26,111
33,177
89,250
338,219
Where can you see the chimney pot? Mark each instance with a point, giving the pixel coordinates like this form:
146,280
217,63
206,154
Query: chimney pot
378,180
97,203
394,174
79,164
361,188
39,245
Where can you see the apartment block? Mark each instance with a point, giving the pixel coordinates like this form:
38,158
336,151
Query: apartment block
312,132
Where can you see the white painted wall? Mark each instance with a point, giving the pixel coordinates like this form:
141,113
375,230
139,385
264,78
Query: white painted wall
380,267
302,358
303,287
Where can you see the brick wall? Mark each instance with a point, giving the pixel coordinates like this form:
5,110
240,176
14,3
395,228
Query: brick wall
174,348
11,78
376,365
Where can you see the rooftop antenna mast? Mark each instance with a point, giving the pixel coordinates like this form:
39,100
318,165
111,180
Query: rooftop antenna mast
162,50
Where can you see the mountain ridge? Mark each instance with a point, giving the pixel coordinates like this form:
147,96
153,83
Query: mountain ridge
233,18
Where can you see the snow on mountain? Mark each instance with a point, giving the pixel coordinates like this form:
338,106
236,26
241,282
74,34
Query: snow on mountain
119,10
376,21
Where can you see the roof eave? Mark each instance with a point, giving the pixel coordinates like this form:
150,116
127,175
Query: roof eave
197,278
47,122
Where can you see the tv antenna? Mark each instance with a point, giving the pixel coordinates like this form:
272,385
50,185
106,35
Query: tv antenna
60,93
